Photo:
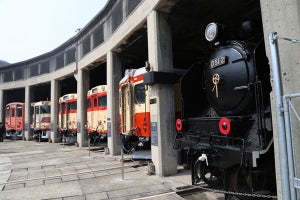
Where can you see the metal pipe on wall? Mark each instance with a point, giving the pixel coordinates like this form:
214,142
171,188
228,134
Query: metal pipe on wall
277,90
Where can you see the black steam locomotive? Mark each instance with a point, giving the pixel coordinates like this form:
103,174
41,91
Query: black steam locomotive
226,129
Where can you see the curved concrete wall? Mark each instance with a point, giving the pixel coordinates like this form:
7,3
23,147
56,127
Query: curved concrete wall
90,45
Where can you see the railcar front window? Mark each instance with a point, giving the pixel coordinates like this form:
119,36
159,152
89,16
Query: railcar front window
7,111
19,111
73,106
45,109
102,101
139,93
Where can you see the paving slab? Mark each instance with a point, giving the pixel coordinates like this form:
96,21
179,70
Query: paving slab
49,171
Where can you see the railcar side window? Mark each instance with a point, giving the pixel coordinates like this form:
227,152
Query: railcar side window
102,101
19,111
95,102
89,105
36,110
139,93
7,111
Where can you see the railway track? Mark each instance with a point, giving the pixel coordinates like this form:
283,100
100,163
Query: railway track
188,192
201,191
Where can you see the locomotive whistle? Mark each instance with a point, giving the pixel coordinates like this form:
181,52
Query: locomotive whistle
216,80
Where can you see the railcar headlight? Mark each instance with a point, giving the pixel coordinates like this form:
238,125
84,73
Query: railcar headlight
211,32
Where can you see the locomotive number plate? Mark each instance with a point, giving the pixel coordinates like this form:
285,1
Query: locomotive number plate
221,60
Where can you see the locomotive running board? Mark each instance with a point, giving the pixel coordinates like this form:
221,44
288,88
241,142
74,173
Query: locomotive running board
142,155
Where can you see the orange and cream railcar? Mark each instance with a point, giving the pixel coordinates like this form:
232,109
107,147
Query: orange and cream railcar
15,120
97,113
41,120
134,111
135,124
67,117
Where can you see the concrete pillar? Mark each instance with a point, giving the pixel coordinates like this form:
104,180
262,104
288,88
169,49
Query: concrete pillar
27,134
162,111
55,94
283,17
83,81
2,109
113,77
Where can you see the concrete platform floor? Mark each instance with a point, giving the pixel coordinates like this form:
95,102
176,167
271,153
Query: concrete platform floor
33,170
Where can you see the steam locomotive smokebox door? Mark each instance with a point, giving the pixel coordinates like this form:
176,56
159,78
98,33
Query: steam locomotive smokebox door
229,79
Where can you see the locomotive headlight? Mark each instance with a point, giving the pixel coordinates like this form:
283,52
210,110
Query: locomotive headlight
211,32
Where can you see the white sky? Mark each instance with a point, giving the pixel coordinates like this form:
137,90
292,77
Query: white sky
29,28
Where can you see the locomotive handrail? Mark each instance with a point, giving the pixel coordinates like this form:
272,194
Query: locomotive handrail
288,182
287,106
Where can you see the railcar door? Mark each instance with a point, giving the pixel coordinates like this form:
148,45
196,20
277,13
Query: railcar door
71,115
8,117
141,112
19,113
63,115
13,117
94,113
126,107
36,117
89,114
102,113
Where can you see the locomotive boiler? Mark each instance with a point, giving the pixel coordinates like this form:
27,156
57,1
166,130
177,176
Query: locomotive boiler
227,128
